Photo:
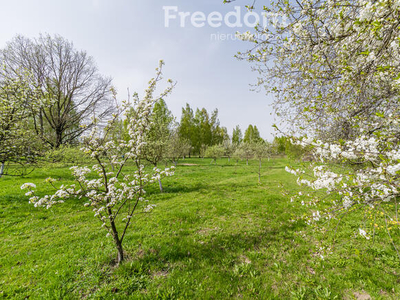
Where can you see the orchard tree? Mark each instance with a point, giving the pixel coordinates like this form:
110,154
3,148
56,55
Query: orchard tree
215,152
244,151
261,150
202,150
115,195
71,88
229,149
335,65
178,147
17,100
328,62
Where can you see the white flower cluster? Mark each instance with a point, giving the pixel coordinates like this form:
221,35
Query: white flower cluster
374,181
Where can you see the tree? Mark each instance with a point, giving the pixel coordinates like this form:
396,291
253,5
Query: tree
113,193
279,144
71,88
215,152
261,150
178,147
203,137
186,129
18,145
251,135
337,69
201,129
237,136
329,62
244,151
158,135
229,149
218,134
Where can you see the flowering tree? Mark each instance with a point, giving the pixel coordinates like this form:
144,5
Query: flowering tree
334,68
229,149
69,83
215,152
244,151
372,187
329,61
114,195
16,140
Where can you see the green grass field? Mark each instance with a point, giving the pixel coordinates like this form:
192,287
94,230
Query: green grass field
215,234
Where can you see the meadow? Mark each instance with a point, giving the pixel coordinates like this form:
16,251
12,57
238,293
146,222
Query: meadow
216,233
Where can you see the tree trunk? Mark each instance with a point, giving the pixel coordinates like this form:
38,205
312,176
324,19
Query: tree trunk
247,162
2,168
120,255
117,241
160,184
59,138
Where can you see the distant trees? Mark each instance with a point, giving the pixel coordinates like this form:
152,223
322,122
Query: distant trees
158,135
186,129
201,129
237,136
283,145
252,135
70,86
161,126
178,147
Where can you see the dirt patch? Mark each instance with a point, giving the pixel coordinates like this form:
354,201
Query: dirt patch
160,274
140,253
362,295
245,259
187,164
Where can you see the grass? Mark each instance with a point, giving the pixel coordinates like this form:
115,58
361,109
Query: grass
215,234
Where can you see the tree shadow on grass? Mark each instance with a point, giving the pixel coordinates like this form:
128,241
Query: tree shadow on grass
175,189
217,248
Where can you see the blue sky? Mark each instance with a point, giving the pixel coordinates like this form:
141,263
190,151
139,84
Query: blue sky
127,38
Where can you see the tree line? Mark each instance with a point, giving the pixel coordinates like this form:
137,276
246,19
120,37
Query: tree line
52,95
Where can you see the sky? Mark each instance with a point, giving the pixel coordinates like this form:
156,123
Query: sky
127,38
